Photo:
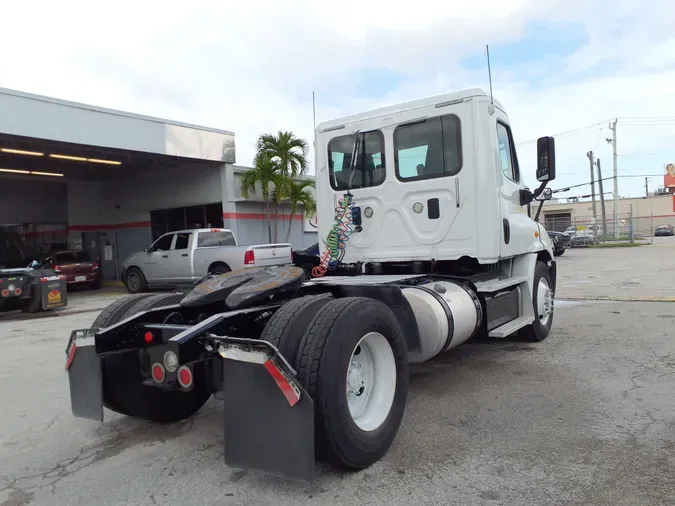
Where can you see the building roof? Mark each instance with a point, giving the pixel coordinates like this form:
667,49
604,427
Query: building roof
40,117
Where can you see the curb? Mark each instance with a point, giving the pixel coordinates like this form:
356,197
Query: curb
39,316
113,284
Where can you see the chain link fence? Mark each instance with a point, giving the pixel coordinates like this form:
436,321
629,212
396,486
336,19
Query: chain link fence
588,231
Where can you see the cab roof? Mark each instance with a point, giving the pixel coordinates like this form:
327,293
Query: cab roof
406,106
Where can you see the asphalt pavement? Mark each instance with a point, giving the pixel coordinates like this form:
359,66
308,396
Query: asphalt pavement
585,417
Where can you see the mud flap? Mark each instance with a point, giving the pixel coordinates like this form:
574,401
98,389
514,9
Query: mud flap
269,417
84,375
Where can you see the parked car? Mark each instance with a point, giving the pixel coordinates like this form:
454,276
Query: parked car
307,258
561,242
585,237
664,230
186,256
78,267
570,231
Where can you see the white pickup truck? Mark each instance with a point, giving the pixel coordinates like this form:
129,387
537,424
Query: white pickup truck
185,256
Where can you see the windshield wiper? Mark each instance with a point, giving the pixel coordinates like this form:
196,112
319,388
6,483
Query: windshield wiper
352,162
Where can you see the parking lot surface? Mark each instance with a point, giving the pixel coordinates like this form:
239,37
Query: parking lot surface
586,417
634,273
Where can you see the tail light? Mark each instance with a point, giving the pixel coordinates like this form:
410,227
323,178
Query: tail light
249,257
185,377
94,266
158,372
56,268
5,293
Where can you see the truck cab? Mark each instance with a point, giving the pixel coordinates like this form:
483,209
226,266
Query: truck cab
432,180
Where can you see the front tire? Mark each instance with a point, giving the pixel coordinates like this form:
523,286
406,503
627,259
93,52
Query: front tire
543,305
135,281
353,362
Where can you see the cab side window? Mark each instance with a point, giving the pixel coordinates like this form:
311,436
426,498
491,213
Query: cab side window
163,243
507,153
182,241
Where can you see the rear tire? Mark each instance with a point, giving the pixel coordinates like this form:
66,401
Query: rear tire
219,269
287,326
541,327
34,304
124,391
326,363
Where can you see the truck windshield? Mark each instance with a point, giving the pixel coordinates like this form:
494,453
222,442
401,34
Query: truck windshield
220,238
369,169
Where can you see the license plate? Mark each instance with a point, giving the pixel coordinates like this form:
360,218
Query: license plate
80,278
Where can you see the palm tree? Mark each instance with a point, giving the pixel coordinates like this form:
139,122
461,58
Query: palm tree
288,151
290,155
265,171
296,192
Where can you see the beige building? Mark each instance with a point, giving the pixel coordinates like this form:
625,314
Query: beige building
558,214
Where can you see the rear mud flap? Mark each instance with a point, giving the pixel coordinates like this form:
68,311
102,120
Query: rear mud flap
269,418
84,375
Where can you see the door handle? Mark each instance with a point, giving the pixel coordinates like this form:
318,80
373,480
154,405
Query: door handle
183,254
165,256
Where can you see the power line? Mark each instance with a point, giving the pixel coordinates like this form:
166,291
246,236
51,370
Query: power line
565,133
568,188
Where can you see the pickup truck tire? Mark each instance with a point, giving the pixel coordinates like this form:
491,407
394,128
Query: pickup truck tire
286,328
123,388
541,327
135,281
359,404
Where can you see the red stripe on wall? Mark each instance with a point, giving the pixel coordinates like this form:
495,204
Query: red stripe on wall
115,226
259,216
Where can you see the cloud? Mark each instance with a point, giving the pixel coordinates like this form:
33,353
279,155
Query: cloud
251,66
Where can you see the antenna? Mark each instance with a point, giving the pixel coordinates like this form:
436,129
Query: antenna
487,50
314,114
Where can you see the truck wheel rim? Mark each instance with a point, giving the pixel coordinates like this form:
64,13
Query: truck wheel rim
371,381
544,301
133,281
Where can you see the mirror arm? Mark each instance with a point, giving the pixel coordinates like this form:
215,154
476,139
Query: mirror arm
536,216
539,190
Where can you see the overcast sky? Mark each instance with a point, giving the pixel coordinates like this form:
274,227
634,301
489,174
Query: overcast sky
251,66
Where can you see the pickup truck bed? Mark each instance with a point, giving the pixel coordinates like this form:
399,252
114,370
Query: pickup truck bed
186,256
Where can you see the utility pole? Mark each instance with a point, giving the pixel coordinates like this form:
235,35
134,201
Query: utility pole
595,212
612,141
602,200
646,187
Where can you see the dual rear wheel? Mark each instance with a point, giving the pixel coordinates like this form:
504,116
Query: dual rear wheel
351,357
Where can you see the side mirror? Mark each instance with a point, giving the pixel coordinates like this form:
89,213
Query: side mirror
147,250
545,159
547,194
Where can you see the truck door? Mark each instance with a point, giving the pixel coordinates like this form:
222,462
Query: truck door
517,228
179,264
155,265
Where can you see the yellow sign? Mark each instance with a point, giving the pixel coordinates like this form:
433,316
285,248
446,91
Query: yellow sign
54,297
581,227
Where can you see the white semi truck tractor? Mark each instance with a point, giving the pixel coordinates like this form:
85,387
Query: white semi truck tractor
426,242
